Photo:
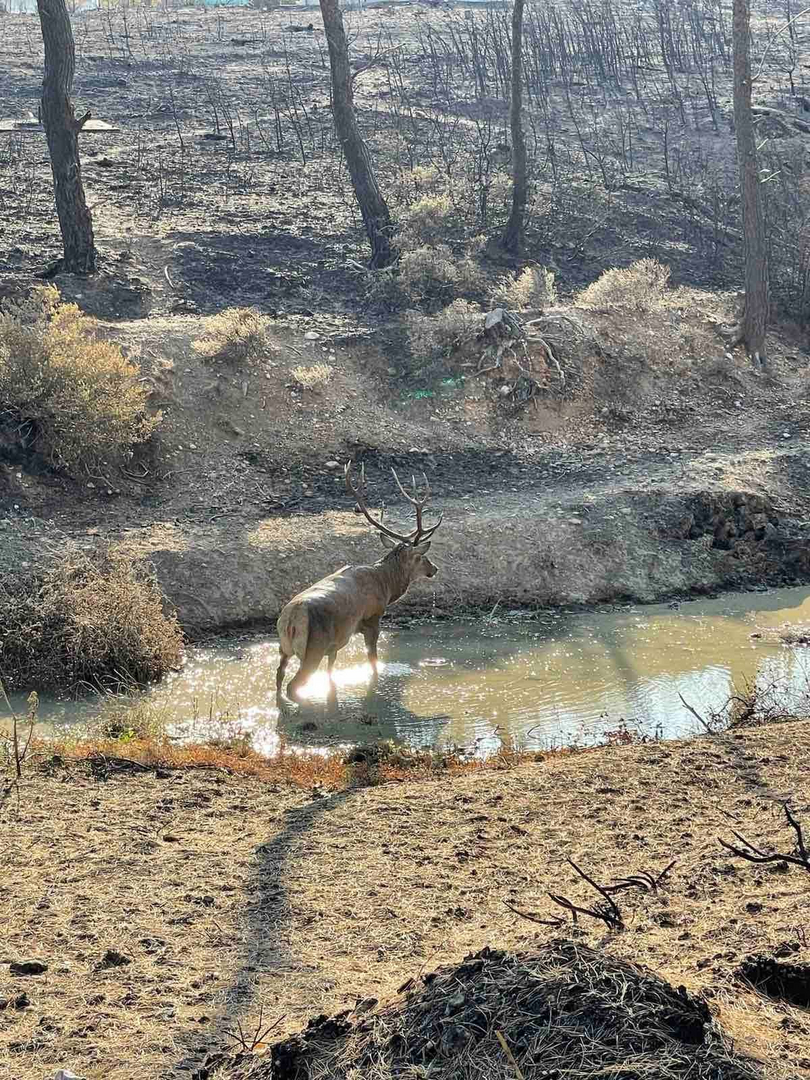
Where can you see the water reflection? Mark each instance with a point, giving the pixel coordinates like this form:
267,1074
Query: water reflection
549,680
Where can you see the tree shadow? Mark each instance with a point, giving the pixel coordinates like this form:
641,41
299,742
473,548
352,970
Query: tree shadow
263,946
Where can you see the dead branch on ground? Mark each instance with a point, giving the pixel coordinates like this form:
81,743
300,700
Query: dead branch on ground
751,853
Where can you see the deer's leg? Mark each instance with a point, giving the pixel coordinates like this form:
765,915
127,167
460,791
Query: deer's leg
330,665
308,665
371,632
282,667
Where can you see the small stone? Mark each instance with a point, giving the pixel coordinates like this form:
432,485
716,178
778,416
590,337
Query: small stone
333,464
504,391
91,484
312,335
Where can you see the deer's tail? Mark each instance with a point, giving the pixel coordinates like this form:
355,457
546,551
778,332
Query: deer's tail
293,631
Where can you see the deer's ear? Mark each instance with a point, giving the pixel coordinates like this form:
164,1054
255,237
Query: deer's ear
387,542
422,549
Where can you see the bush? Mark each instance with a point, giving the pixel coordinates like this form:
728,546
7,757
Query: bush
66,394
534,288
236,337
457,325
432,273
86,623
641,287
425,221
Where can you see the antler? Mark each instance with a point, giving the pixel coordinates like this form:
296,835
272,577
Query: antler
418,534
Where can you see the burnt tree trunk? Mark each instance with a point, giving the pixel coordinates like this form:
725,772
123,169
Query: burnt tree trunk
754,320
62,132
513,234
373,208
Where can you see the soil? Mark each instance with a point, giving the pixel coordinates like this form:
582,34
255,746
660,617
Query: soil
663,467
172,905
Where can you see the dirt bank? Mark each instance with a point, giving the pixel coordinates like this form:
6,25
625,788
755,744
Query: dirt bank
646,530
169,906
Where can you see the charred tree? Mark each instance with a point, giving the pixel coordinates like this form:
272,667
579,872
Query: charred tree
62,132
513,234
753,323
373,208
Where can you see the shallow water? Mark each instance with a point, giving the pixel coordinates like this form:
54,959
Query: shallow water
535,682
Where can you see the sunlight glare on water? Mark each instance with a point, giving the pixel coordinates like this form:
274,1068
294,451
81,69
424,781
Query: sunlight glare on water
549,679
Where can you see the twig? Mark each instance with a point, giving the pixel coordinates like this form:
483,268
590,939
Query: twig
753,854
509,1054
642,880
530,917
707,727
249,1044
610,914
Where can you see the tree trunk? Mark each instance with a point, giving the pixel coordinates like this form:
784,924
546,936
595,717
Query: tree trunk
754,320
513,234
373,208
62,132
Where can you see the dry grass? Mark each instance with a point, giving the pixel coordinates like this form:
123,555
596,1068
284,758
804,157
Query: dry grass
66,394
85,622
229,894
313,378
136,735
236,337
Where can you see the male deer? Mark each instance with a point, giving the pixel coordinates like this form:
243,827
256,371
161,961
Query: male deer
320,620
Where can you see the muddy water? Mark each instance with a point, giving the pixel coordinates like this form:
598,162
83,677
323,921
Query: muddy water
535,682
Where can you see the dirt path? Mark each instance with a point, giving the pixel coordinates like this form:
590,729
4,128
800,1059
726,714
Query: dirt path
169,907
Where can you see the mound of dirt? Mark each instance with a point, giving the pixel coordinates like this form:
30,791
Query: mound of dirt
566,1010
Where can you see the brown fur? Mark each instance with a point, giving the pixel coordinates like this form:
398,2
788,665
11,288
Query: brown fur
320,620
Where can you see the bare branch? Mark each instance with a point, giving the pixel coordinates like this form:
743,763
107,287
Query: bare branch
753,854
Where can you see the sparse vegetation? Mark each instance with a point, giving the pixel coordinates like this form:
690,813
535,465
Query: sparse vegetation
67,395
432,273
314,377
640,288
533,288
435,335
236,337
85,623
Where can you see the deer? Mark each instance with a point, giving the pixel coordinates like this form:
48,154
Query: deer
320,620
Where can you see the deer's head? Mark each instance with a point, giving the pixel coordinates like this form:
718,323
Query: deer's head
407,550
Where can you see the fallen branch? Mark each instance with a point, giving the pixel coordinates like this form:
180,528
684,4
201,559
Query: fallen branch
753,854
609,913
642,880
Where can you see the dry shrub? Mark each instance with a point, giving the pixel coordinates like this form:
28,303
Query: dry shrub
314,377
413,184
65,393
434,335
433,273
426,221
86,622
237,337
642,287
534,288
